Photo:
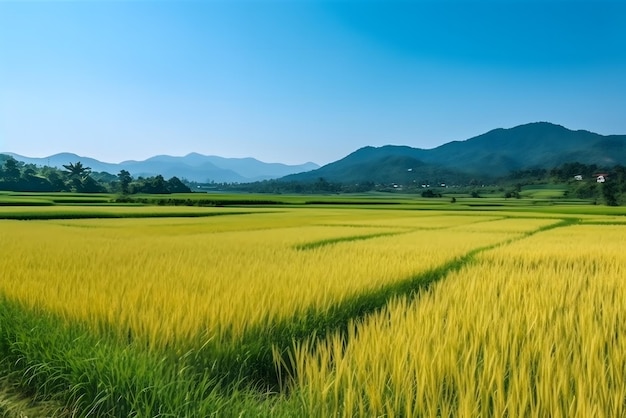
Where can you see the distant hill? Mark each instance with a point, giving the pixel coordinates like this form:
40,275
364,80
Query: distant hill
487,156
193,167
490,155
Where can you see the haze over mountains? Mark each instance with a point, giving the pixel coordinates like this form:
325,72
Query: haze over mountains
193,167
487,156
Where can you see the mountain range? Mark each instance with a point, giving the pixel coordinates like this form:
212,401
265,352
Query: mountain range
192,167
487,156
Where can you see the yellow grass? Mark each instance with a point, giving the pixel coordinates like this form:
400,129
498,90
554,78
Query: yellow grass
172,280
536,328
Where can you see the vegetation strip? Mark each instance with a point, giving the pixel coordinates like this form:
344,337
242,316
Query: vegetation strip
45,360
331,241
322,243
350,202
31,216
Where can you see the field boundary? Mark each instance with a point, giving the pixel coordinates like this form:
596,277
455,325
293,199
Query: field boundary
16,216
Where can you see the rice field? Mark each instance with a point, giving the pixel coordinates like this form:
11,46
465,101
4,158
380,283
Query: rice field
531,329
156,311
154,279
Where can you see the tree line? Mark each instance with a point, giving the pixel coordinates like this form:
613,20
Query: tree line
584,181
75,177
580,179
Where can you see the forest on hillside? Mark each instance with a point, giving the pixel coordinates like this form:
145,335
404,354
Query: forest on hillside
580,180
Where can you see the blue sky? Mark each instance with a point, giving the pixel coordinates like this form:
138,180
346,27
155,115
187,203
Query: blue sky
302,80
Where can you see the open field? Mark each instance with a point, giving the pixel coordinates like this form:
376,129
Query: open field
290,310
534,328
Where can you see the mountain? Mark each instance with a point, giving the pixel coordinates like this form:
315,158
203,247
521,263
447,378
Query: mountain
193,167
58,160
490,155
487,156
534,145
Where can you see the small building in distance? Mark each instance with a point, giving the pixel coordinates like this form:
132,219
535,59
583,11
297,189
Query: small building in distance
601,177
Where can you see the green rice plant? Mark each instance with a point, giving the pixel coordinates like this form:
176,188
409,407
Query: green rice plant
73,373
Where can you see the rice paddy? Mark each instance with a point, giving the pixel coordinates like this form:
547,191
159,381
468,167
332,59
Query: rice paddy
534,328
298,311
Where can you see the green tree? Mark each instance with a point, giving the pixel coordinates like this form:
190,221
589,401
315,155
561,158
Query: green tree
158,184
174,185
620,177
29,172
11,170
77,169
609,192
55,178
89,185
78,177
430,193
125,179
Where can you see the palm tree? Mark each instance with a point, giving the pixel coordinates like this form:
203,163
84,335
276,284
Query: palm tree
77,170
78,176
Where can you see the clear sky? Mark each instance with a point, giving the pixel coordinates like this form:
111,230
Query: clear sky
302,80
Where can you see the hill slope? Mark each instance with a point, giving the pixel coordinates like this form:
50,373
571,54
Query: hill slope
493,154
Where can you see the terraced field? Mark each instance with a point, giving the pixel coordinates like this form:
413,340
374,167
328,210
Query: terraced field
124,311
